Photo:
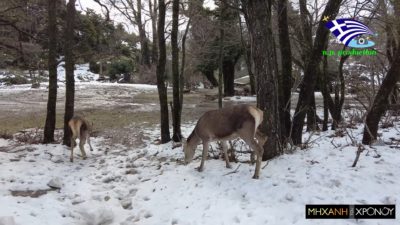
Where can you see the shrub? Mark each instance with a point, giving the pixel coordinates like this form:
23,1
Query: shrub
13,80
121,66
94,67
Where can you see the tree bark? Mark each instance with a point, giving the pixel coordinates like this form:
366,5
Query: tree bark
69,70
285,80
265,67
312,124
162,89
177,134
228,70
310,72
325,92
50,124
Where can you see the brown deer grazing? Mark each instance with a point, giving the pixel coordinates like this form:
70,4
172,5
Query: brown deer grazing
227,124
80,128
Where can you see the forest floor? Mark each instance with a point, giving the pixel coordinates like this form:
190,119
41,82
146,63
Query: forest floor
130,179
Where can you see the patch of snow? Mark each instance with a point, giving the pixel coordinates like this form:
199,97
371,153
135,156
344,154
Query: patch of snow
241,99
81,73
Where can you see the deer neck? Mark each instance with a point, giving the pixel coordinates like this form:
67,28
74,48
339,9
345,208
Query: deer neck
194,139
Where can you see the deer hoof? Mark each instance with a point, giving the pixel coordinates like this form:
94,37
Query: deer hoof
71,159
229,166
200,169
256,177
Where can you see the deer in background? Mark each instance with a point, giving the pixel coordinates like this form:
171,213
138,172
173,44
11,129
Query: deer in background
80,128
226,124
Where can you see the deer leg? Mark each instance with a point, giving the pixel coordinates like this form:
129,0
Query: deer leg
73,144
261,139
204,155
225,149
88,140
252,159
259,152
249,139
82,142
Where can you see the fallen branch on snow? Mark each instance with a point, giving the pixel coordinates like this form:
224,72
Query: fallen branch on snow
235,171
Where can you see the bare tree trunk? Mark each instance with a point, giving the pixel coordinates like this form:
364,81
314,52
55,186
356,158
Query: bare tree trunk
52,64
69,70
162,89
221,55
144,45
209,74
326,117
312,124
182,72
177,134
339,94
264,57
153,14
285,80
310,72
306,38
228,70
325,92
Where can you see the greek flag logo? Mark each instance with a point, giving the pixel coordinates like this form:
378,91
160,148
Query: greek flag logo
346,30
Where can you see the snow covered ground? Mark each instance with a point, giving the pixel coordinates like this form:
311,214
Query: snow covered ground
154,187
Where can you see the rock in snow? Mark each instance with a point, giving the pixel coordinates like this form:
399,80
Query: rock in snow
126,203
55,183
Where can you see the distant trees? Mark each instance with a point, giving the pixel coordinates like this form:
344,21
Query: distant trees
307,87
205,43
21,33
381,101
132,11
